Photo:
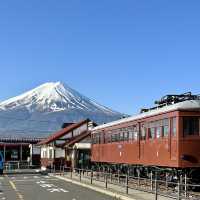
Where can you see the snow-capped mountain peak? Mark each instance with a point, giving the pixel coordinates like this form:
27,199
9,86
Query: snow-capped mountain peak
53,97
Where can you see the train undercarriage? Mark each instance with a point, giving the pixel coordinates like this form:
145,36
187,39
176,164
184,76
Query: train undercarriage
188,175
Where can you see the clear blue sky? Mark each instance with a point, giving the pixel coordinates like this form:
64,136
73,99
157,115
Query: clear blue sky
124,54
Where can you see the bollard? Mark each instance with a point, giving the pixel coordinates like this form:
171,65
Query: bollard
127,184
156,190
91,177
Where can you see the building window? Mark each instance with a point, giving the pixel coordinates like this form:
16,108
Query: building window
191,126
51,153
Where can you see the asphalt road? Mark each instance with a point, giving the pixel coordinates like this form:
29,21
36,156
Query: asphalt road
38,187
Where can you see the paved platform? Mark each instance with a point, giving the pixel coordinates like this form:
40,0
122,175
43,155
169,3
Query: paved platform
116,191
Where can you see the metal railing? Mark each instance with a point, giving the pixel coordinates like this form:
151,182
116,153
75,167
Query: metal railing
16,165
173,190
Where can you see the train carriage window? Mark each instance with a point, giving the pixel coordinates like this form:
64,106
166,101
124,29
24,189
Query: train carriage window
135,132
165,126
174,126
130,131
130,136
125,135
158,129
152,130
190,126
112,137
143,132
121,136
158,132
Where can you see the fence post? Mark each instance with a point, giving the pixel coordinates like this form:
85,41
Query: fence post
127,176
91,177
18,165
156,189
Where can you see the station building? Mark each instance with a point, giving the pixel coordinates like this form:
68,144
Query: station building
68,147
20,150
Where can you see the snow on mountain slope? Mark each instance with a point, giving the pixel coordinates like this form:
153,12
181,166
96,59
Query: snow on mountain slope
53,97
52,101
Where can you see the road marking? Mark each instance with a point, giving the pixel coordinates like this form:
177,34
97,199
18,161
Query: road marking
20,196
13,185
50,187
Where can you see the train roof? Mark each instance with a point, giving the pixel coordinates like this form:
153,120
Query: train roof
193,105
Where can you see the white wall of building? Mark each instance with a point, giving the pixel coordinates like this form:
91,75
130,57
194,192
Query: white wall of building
60,153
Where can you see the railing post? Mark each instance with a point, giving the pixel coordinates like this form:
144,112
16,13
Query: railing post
179,191
138,178
106,180
127,184
110,177
151,181
71,172
80,174
118,177
156,189
166,181
185,185
91,177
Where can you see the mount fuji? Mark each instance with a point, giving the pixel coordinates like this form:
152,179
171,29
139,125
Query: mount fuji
43,110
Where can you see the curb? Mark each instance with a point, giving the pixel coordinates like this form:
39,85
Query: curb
97,189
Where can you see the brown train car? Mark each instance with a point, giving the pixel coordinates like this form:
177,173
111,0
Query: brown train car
167,136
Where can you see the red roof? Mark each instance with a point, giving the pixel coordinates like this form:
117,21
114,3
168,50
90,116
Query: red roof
63,132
